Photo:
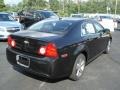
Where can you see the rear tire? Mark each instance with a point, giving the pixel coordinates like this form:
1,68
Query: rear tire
78,67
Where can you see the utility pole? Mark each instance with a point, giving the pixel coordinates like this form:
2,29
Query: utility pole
63,5
78,1
116,7
59,4
49,4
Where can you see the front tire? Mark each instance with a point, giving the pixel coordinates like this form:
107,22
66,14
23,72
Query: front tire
78,67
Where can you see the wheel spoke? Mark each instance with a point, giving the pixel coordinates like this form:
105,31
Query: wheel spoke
79,72
108,46
80,67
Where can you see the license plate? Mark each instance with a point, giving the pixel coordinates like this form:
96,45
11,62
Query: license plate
23,61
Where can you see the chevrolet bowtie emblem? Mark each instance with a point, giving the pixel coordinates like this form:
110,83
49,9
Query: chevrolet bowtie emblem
26,42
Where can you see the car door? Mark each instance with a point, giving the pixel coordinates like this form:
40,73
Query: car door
104,37
91,38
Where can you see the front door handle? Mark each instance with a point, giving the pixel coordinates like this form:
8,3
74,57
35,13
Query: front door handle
89,39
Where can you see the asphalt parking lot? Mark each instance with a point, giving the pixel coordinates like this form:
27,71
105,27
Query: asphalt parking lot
101,74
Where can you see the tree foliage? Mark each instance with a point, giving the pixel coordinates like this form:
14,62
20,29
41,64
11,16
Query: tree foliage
2,5
66,7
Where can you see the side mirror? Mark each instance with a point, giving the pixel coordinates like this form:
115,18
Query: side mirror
106,31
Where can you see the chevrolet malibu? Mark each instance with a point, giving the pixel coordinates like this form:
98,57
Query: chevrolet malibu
58,48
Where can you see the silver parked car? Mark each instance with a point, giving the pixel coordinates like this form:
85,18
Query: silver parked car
8,25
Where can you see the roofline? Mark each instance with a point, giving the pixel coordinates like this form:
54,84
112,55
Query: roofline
3,13
74,18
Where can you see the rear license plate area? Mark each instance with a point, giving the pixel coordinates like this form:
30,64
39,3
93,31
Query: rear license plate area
23,61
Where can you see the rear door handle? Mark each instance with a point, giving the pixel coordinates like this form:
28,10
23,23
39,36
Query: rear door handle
96,37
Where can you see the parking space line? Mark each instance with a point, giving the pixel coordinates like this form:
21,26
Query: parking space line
41,85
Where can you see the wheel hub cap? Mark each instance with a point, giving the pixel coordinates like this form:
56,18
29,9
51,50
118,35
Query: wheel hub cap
80,67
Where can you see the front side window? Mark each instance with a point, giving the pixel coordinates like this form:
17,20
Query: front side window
98,27
37,16
49,14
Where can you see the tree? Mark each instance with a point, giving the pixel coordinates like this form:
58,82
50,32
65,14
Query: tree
54,5
32,4
67,7
2,5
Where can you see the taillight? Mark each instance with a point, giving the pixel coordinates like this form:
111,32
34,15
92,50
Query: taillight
11,42
49,50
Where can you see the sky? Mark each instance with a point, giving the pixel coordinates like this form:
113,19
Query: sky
12,1
17,1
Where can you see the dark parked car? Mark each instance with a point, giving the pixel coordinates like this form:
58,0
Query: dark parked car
27,18
58,48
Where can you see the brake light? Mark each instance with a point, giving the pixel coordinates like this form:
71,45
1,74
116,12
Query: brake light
11,42
49,50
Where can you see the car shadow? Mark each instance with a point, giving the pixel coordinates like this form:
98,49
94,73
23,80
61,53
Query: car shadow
3,40
34,76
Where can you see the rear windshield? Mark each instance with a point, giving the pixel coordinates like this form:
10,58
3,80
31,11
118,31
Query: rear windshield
51,26
77,16
106,17
6,17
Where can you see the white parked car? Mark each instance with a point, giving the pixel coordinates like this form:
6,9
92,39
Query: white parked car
8,25
106,22
77,15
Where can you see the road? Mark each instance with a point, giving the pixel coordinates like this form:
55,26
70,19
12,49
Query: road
101,74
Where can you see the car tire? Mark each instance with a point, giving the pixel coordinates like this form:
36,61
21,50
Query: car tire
23,25
78,67
107,50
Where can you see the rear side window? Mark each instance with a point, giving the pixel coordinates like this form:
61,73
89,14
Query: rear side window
87,28
90,28
83,30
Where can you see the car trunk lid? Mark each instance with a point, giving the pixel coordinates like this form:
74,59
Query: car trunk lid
30,42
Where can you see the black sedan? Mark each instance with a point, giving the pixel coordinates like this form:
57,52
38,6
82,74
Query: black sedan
58,48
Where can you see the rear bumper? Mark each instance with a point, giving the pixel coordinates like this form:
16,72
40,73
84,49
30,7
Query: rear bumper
45,67
3,37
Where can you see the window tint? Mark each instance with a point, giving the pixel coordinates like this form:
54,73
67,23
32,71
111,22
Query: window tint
87,28
106,17
49,14
90,28
38,15
51,26
6,17
83,30
98,27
